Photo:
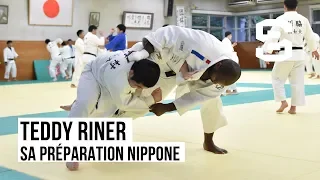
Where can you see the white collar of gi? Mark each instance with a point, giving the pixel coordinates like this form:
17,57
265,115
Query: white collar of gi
291,12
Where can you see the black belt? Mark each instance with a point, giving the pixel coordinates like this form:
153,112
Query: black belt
10,59
90,54
70,57
170,73
293,48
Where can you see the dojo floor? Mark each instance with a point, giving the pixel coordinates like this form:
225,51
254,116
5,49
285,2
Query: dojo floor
262,145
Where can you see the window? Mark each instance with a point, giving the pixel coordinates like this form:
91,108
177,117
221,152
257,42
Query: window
243,28
316,15
230,26
209,24
218,33
216,26
316,28
258,18
216,21
315,20
230,22
243,22
199,20
242,35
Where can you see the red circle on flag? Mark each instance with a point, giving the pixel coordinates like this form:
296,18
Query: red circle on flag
51,8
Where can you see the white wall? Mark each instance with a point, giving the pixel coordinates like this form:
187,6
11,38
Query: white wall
110,15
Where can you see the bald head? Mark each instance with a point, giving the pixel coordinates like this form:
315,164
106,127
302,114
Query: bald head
225,72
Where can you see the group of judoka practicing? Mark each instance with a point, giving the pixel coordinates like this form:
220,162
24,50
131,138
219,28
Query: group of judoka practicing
133,82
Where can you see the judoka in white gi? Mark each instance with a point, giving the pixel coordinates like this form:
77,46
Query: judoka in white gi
293,68
78,64
56,57
308,62
91,45
232,89
314,61
66,64
109,83
9,58
71,58
173,46
205,86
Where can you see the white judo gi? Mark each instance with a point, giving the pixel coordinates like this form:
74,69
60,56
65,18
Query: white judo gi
56,58
173,46
188,95
78,67
68,56
104,88
293,68
228,44
9,56
315,62
198,48
91,43
308,62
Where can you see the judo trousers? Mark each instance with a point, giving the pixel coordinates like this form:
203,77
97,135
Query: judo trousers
77,71
10,68
93,100
53,64
294,71
309,64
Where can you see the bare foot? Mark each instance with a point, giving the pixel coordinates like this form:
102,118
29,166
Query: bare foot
292,110
283,106
73,86
311,75
318,77
72,166
211,147
66,108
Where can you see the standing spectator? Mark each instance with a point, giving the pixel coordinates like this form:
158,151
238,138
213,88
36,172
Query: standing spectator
9,57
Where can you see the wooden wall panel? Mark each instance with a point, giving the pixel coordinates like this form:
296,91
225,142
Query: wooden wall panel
247,55
36,50
28,51
131,43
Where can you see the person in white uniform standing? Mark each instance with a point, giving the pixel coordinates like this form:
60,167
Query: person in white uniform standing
79,50
9,57
56,57
66,64
92,43
315,62
309,63
232,89
292,68
71,58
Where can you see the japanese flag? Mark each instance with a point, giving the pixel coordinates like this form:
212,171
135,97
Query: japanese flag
50,12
